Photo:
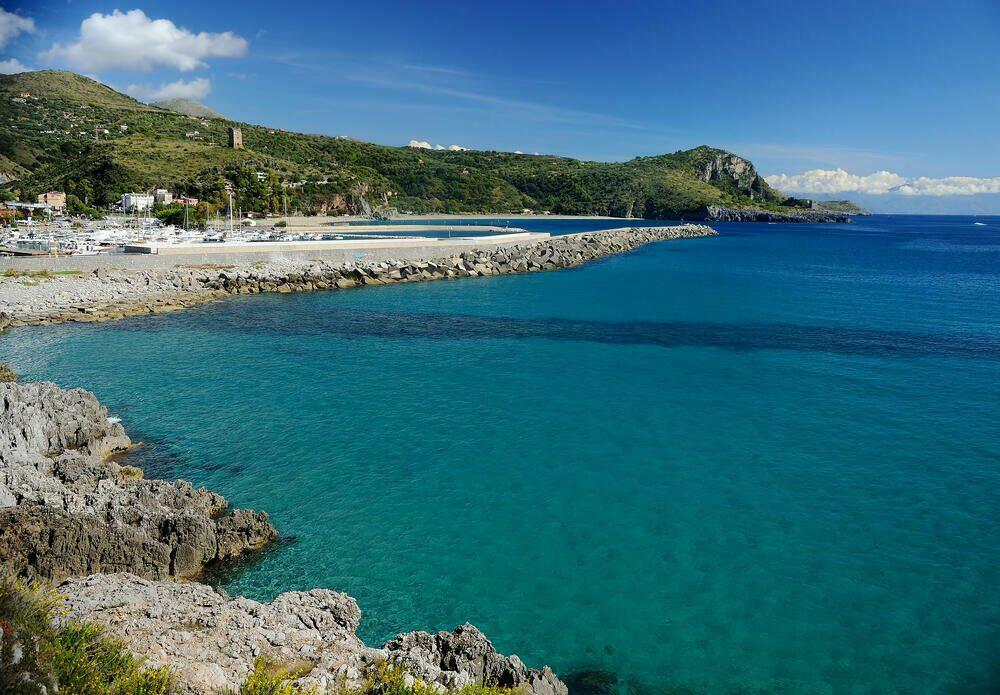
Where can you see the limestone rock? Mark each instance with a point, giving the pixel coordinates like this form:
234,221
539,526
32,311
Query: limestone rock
66,510
465,656
211,641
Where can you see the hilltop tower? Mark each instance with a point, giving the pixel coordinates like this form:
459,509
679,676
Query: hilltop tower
236,138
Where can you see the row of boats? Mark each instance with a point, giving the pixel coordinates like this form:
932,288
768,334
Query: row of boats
96,239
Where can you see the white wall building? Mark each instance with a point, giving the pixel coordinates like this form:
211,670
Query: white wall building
136,202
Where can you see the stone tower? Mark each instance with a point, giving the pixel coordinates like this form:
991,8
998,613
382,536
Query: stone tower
236,138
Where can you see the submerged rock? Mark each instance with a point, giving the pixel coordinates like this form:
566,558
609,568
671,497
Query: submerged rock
67,510
6,373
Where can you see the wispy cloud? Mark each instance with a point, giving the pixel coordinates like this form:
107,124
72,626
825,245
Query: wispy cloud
435,69
823,155
13,25
829,181
394,77
12,67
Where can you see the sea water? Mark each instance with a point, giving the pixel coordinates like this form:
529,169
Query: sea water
767,461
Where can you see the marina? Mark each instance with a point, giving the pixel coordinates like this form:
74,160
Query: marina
111,236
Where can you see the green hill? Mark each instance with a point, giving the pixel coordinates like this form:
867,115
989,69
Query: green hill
63,131
187,107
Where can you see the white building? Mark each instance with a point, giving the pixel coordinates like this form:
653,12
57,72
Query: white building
162,196
136,202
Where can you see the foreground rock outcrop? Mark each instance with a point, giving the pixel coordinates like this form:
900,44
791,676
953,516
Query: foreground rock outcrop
67,510
213,640
107,295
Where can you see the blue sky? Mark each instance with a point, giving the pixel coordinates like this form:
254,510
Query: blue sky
844,88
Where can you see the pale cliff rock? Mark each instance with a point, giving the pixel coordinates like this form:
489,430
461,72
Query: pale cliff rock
212,641
66,510
721,213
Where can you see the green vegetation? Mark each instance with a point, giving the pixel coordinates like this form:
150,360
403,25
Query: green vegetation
71,133
275,678
41,651
44,274
204,266
73,658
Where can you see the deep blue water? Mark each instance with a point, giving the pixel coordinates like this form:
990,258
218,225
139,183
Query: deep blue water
767,461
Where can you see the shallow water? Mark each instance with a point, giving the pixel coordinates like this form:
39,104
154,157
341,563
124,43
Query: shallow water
764,461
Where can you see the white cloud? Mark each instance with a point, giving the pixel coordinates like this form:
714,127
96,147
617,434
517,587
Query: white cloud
195,89
12,66
823,181
133,41
424,145
950,185
13,25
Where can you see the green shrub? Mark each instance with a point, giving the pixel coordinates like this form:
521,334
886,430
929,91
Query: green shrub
76,658
275,678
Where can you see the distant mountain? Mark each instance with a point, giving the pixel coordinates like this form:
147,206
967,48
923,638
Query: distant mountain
188,108
74,134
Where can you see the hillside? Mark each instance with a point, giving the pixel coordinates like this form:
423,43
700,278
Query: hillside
186,107
72,133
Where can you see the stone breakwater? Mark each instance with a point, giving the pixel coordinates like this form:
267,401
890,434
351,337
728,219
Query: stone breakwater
120,543
108,294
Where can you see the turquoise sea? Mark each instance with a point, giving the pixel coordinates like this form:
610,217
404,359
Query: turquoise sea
763,462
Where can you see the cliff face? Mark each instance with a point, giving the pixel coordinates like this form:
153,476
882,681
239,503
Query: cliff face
731,172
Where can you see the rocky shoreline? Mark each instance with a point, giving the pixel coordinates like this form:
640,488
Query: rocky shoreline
109,294
126,551
121,546
720,213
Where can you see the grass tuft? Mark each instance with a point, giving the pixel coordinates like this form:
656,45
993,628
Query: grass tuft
205,266
275,678
72,658
45,274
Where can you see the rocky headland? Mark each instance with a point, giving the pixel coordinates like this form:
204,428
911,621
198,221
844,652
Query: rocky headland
721,213
108,294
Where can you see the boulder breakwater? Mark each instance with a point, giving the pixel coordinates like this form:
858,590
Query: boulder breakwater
107,294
